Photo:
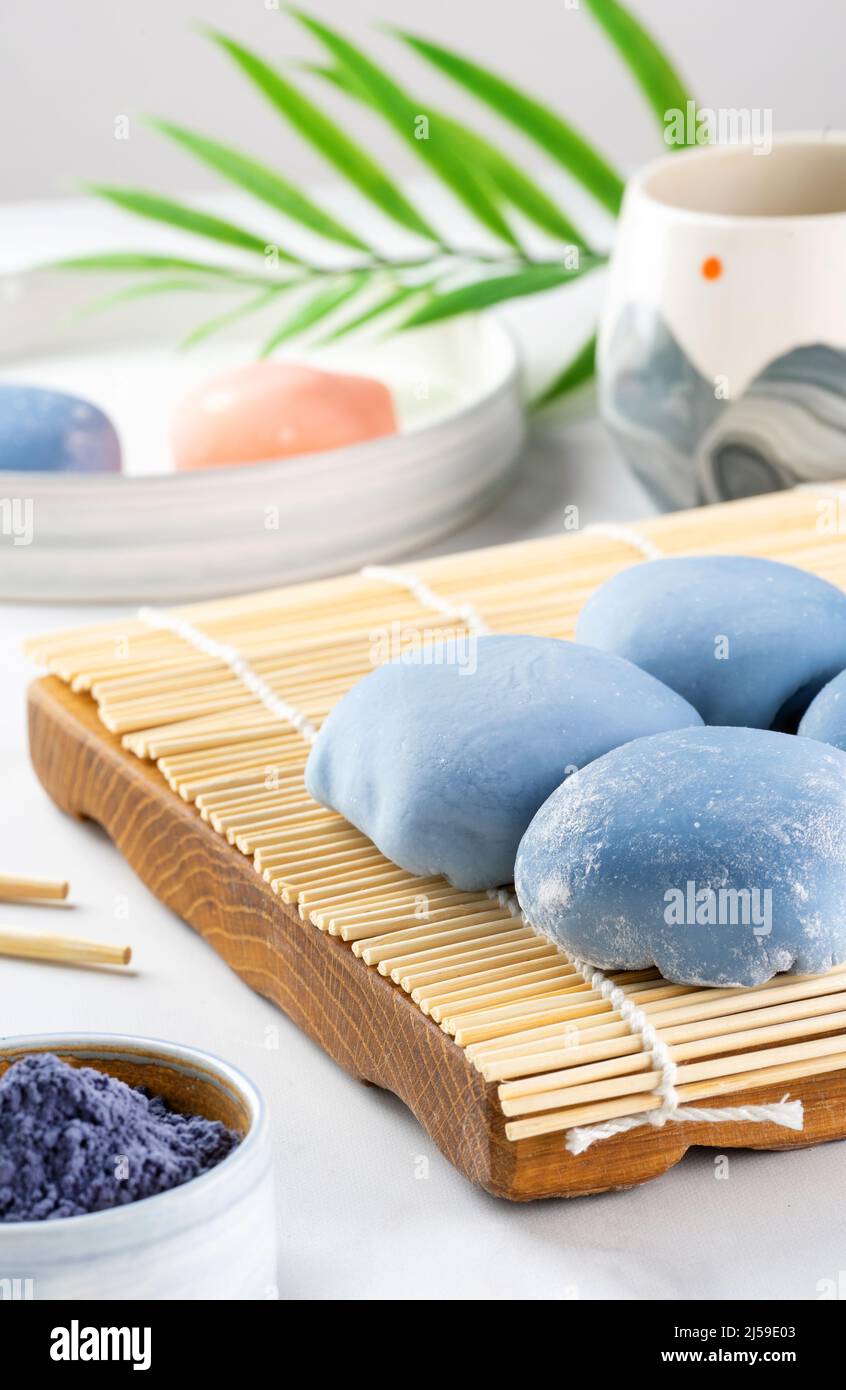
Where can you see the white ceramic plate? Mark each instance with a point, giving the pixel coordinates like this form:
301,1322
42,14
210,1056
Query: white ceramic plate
153,535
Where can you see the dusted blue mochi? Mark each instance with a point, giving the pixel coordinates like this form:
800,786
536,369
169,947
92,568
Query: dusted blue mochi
746,641
444,764
45,431
825,717
717,854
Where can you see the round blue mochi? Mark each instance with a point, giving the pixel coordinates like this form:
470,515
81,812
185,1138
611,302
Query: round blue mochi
716,854
746,641
825,717
443,761
48,431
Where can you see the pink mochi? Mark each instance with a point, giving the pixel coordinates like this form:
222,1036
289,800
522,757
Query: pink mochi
271,410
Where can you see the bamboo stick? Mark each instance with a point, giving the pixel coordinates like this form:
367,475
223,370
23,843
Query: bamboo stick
542,1092
774,1076
672,1005
63,950
535,1058
485,943
601,1090
32,889
418,983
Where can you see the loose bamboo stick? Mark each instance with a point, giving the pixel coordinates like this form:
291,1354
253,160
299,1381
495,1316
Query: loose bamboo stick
63,950
32,889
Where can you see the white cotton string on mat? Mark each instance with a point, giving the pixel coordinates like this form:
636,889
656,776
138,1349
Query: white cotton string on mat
240,667
627,535
786,1113
789,1114
463,612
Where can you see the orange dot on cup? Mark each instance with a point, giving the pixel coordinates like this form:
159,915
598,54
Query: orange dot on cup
712,268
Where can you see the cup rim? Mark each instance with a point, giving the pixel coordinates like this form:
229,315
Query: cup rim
638,183
103,1045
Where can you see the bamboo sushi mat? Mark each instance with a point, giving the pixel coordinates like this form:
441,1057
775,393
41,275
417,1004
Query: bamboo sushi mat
225,696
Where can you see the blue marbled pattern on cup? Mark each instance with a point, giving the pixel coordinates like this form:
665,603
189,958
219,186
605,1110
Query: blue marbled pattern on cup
687,445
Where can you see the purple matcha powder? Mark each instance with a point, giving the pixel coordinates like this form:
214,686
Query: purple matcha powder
74,1140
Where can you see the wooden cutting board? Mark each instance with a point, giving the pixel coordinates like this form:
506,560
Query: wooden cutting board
369,1025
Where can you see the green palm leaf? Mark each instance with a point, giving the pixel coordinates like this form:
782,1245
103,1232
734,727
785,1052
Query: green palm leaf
187,219
403,114
221,321
317,307
148,287
262,183
578,371
328,138
392,299
482,294
651,68
522,192
486,181
122,262
509,180
538,122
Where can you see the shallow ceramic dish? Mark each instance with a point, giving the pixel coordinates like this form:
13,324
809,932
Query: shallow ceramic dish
154,535
212,1238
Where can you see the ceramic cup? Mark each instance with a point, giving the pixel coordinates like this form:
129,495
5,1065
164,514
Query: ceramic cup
212,1238
722,352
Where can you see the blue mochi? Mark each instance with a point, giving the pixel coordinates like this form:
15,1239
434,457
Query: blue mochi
825,717
444,764
746,641
716,854
45,431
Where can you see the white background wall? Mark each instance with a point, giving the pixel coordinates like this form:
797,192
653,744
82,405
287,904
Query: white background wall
68,68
